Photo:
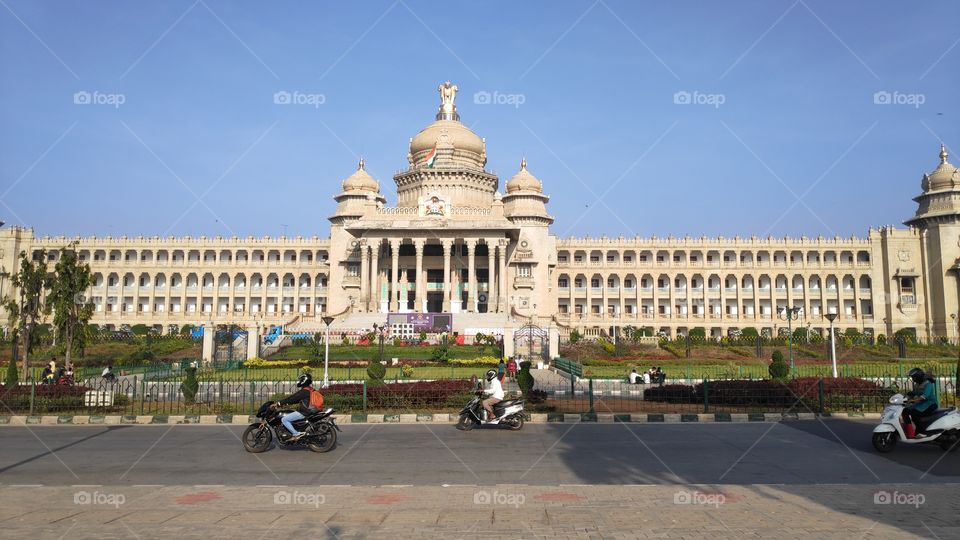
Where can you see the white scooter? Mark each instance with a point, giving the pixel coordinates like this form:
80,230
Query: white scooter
509,413
942,427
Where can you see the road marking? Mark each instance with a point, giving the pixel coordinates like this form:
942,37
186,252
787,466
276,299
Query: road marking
396,485
269,486
458,485
87,485
25,485
148,485
207,485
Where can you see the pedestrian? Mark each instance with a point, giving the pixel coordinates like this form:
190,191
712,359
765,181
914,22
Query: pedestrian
501,370
634,377
512,368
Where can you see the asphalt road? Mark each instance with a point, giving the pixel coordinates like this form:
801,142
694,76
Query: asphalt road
790,453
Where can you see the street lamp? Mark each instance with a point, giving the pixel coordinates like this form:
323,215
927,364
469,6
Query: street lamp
957,374
789,314
833,346
326,351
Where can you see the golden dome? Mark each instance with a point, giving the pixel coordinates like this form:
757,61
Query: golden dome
361,180
945,176
524,181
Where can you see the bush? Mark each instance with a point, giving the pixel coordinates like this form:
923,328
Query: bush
190,386
406,371
481,361
440,353
804,387
697,333
376,371
139,329
536,396
670,393
744,392
574,336
525,378
12,375
881,339
778,368
749,332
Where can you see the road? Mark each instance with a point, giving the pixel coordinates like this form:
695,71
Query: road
772,477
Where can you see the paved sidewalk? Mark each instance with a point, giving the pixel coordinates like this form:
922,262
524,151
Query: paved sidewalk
508,511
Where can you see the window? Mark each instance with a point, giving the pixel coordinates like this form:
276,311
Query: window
594,258
578,282
643,258
628,283
578,258
611,283
562,283
562,258
563,308
353,270
610,258
628,258
595,283
676,258
906,285
523,270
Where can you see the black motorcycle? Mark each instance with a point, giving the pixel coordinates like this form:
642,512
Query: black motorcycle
320,428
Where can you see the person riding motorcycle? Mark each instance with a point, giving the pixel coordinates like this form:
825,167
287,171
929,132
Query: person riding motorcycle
494,389
923,399
301,397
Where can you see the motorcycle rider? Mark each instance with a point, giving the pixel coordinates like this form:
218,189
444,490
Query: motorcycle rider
494,389
925,391
301,397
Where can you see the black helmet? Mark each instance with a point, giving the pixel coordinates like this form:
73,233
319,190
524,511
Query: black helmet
491,373
304,380
917,375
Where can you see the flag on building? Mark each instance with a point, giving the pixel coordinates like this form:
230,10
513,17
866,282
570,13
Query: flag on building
432,156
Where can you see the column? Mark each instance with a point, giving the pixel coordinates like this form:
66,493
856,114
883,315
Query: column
447,282
502,281
375,276
417,277
472,275
253,341
604,298
364,303
209,331
491,272
394,269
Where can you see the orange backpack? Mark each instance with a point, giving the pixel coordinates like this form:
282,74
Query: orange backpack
316,399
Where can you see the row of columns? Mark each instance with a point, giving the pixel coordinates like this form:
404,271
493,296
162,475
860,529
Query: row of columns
722,297
371,274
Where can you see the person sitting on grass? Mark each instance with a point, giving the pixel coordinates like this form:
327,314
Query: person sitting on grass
634,377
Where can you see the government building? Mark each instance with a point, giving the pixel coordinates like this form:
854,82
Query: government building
455,244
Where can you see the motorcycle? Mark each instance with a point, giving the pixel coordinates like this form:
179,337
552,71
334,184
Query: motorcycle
320,428
508,413
941,427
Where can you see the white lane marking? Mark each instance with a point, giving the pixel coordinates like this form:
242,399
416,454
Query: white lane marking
25,485
87,485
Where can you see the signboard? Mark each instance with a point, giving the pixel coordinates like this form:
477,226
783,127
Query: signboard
423,322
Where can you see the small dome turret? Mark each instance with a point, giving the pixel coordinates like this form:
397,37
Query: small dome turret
524,181
945,176
361,180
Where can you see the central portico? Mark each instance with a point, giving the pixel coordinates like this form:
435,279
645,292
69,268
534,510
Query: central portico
453,243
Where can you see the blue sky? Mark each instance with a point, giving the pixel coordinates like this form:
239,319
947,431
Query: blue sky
783,135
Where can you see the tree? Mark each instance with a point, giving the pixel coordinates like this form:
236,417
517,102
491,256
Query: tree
30,282
71,310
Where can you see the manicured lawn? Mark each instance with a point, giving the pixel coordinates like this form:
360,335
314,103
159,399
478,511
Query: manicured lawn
756,369
344,373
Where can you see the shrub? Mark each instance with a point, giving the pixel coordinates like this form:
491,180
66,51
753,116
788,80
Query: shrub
804,386
12,375
261,363
440,353
670,393
397,342
481,361
697,333
574,336
749,332
406,371
376,371
190,386
746,392
778,368
881,339
536,396
139,329
423,336
525,378
607,346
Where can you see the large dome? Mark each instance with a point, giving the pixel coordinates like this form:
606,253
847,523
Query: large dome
452,140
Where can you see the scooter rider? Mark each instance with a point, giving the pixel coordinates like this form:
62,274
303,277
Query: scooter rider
925,400
302,397
495,390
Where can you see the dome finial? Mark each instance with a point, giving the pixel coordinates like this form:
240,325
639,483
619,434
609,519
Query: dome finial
360,166
523,163
943,153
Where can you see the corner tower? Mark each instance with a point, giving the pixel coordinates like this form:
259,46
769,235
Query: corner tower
938,219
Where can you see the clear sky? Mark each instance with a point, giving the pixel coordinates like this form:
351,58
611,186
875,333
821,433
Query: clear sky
641,118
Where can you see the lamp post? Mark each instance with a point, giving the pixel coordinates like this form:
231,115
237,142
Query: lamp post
833,346
957,374
326,351
789,314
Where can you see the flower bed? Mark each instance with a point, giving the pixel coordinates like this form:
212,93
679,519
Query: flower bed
767,392
47,398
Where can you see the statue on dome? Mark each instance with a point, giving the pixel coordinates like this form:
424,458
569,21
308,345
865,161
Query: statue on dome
448,93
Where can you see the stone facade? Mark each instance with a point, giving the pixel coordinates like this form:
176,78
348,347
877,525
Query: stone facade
455,244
